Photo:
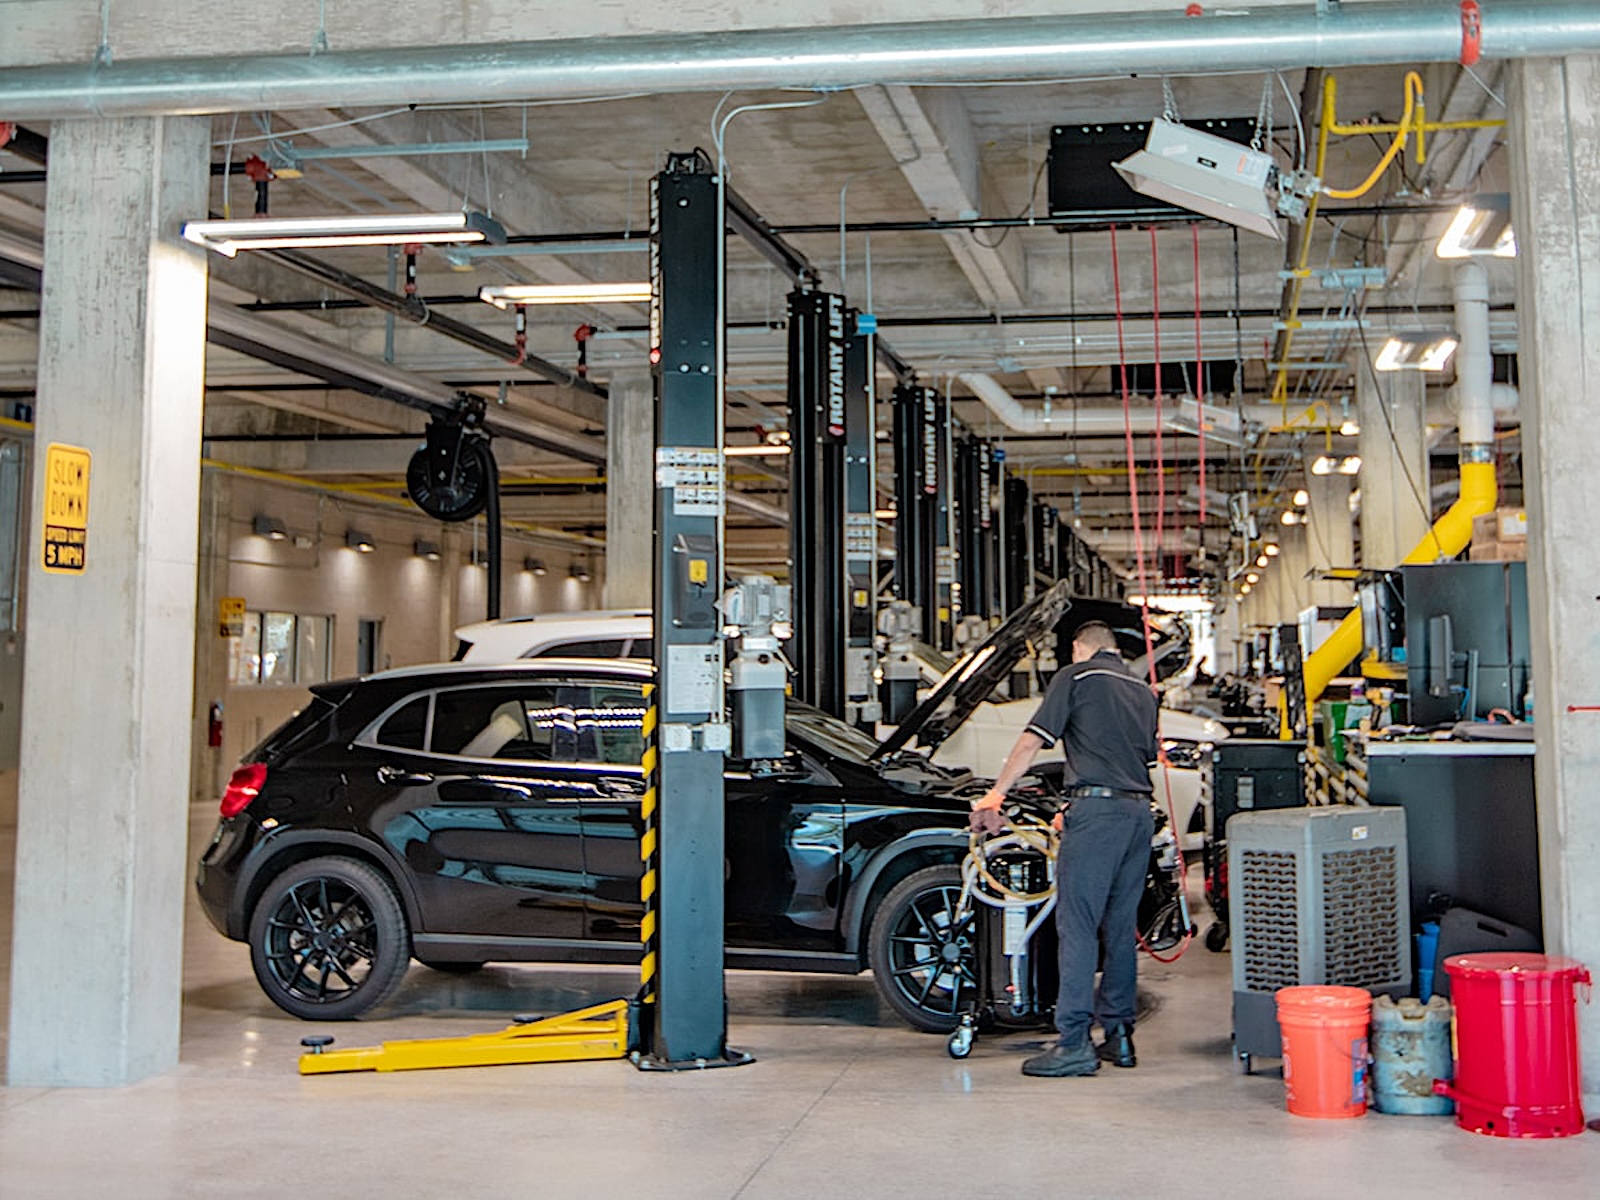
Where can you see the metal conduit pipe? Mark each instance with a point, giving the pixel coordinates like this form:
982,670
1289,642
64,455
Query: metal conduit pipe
1452,532
927,52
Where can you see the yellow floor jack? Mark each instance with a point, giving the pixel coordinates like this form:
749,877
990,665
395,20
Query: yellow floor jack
602,1031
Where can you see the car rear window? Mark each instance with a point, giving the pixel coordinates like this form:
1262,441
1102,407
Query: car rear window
407,727
589,648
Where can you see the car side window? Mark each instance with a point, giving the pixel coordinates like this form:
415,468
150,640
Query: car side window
610,721
407,726
607,648
525,723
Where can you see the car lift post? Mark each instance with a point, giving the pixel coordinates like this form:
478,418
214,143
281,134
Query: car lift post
938,631
817,436
860,522
685,1024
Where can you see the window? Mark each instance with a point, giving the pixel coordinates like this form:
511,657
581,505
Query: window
611,648
611,724
281,650
527,723
407,728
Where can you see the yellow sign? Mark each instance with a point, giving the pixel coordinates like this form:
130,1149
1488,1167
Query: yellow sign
66,509
230,616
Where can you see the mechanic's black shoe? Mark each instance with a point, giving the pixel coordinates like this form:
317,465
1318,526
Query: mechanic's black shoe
1061,1061
1117,1049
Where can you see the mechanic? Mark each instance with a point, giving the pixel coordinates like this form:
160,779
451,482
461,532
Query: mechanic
1106,719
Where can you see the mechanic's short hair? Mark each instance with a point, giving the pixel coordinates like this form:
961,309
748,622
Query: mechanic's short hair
1096,636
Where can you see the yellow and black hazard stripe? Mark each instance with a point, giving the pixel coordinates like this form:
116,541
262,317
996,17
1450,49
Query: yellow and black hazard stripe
648,933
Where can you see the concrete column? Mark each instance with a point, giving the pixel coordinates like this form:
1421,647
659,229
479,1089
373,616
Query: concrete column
1394,471
1330,535
1294,560
1555,158
209,768
102,852
630,491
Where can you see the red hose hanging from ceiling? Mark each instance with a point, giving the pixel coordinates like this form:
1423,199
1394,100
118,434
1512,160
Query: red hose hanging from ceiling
1199,379
1161,463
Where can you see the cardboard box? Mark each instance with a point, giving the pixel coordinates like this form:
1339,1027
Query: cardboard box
1500,536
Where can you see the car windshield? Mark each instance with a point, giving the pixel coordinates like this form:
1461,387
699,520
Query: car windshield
831,734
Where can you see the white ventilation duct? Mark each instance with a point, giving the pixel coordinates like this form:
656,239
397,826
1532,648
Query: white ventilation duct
1056,417
1474,363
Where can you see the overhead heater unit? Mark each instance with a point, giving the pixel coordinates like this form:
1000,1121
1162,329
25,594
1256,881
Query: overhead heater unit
1316,896
1208,175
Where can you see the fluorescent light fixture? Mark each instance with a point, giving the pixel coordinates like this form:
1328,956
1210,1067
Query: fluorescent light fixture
358,540
426,549
1206,174
1417,350
1323,465
1301,498
886,514
1272,549
1350,428
270,528
759,450
515,295
1480,229
393,229
1350,464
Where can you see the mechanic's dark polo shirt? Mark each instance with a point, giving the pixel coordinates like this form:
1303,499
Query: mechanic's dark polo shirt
1107,716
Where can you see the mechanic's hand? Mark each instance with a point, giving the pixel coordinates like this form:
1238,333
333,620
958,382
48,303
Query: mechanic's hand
986,817
987,821
1057,821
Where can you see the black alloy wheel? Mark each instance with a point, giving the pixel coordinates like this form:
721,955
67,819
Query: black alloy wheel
328,939
922,952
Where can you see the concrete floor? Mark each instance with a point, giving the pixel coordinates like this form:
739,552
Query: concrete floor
842,1101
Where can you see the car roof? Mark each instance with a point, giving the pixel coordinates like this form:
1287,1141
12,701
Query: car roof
448,672
518,637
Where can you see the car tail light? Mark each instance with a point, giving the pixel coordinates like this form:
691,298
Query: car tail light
244,787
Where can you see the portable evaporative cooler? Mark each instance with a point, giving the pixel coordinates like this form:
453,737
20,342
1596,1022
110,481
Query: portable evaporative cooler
1317,896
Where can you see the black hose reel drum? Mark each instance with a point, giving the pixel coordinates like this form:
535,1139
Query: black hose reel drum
452,474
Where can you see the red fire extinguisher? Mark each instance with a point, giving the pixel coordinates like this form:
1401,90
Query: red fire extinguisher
214,725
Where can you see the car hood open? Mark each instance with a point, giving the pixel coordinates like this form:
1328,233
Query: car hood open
977,673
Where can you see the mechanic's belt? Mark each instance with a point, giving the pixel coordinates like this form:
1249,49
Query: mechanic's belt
1104,793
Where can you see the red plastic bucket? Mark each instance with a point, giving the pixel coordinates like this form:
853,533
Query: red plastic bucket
1324,1049
1516,1044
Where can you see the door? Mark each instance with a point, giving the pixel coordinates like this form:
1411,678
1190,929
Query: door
609,718
481,799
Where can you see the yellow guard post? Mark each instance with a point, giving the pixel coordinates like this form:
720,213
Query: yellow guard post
589,1033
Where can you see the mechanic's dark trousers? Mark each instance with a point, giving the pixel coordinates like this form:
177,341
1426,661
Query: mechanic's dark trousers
1100,872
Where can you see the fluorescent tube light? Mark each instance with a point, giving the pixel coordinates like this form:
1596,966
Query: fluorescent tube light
760,450
513,295
1416,350
394,229
1480,229
1206,174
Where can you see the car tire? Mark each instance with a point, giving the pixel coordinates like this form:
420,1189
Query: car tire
328,939
923,960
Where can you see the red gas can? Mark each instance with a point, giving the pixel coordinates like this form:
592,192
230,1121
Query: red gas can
1516,1044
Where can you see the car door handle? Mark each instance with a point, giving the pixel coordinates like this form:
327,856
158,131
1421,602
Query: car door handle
400,777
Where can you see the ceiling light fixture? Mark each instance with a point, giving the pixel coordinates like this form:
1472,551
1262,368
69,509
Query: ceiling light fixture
1244,590
426,549
1479,229
1350,428
1262,560
1322,465
519,294
1221,425
1206,174
1302,498
270,528
1272,549
886,514
1252,577
396,229
1290,517
757,451
358,540
1417,350
1350,464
